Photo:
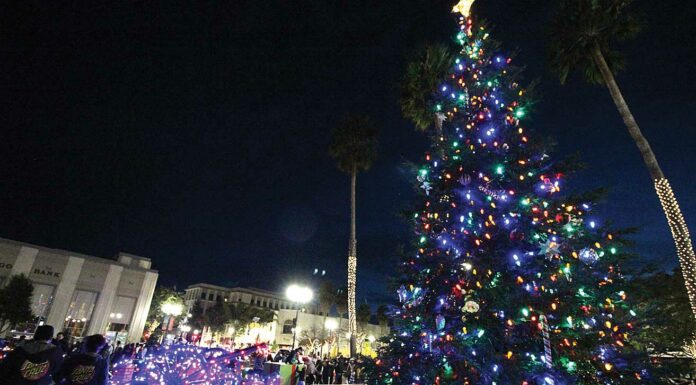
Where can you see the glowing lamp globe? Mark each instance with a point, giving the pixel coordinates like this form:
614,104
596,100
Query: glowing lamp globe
172,309
299,294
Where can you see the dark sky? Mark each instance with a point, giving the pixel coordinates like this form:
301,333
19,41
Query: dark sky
195,133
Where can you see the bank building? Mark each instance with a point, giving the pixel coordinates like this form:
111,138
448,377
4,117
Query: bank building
82,294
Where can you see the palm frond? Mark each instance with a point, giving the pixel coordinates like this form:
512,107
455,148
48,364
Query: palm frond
354,144
580,26
423,74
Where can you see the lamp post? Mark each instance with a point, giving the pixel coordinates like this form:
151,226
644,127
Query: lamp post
185,329
170,310
113,318
299,295
331,325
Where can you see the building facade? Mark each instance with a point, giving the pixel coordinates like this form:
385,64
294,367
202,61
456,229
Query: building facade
82,294
207,294
324,334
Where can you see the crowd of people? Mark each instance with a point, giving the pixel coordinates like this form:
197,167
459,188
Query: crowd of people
47,360
315,369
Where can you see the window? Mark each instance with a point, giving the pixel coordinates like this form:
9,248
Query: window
121,314
41,300
203,296
210,296
80,312
287,327
120,318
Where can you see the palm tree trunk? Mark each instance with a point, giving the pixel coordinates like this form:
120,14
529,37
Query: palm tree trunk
352,265
680,232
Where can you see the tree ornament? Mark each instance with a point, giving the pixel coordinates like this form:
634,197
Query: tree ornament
516,235
471,307
439,119
549,248
440,322
562,218
588,255
463,7
403,294
438,228
465,180
447,371
427,187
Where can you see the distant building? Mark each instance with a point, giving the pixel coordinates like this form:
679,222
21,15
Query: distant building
325,333
206,294
82,294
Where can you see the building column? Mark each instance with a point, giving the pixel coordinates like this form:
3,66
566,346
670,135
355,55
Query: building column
100,315
142,306
25,260
64,292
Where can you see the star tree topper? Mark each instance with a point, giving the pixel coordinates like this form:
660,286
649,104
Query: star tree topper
463,7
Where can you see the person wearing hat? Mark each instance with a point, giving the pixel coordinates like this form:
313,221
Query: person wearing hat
34,363
87,368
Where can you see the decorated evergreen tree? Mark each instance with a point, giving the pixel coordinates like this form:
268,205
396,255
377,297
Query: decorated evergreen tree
511,280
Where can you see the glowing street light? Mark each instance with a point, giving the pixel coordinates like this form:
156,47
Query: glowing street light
172,309
300,295
331,324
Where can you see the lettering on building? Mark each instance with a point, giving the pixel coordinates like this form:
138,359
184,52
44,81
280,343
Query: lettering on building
47,273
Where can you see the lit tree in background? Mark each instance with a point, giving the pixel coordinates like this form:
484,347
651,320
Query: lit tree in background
510,280
584,33
354,146
15,302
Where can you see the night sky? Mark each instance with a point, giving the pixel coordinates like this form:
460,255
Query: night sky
195,133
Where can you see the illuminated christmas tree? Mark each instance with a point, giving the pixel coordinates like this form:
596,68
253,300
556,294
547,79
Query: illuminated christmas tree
511,281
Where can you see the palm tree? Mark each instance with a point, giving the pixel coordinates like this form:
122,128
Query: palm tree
327,297
423,76
583,33
342,301
383,315
354,147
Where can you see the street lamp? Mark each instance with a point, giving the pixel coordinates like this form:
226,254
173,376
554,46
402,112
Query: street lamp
331,325
185,329
115,318
171,311
300,295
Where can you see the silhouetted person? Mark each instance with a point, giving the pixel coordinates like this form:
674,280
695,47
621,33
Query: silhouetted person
88,367
294,356
34,363
62,342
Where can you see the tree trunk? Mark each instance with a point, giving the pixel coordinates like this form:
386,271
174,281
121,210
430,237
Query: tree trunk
675,220
352,265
